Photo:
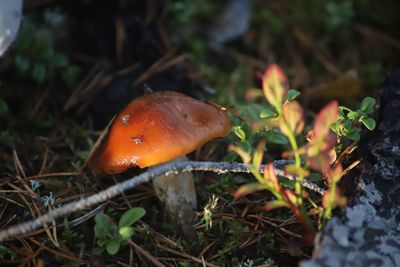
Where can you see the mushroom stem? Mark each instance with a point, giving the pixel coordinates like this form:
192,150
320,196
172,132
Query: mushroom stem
178,194
164,169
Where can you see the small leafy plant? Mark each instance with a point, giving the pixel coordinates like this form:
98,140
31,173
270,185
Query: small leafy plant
349,121
316,156
6,253
110,236
35,57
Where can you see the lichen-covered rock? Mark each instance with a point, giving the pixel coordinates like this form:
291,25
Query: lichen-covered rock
368,234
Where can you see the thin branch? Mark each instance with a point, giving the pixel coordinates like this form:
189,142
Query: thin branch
112,191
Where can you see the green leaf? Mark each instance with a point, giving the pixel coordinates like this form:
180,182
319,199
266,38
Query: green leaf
126,232
101,242
336,128
367,105
104,223
22,64
342,115
239,132
292,94
99,231
286,182
276,138
113,247
254,110
315,177
369,123
43,47
130,216
348,127
59,61
25,37
267,112
71,74
244,147
3,107
352,115
353,135
6,252
98,250
39,72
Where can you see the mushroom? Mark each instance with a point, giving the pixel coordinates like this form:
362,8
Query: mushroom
157,128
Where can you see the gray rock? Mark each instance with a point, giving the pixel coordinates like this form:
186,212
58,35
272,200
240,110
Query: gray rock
368,234
10,17
232,22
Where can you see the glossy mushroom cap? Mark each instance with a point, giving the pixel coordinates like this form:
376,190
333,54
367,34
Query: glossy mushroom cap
156,128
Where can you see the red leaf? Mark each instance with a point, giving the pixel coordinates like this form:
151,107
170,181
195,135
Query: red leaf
274,204
291,197
320,162
333,199
335,174
275,85
248,188
321,152
253,94
258,154
270,178
292,118
243,154
325,118
292,169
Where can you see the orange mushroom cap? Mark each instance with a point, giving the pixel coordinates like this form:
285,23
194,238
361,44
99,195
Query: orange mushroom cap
156,128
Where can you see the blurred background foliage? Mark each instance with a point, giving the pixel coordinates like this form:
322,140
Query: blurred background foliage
317,42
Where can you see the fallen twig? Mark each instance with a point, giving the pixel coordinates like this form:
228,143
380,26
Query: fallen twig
112,191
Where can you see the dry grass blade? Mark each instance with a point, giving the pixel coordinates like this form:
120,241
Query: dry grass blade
208,247
120,36
184,255
346,152
29,255
159,66
251,240
262,219
351,166
19,169
38,104
96,145
146,254
18,190
79,93
163,239
53,174
52,236
54,252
